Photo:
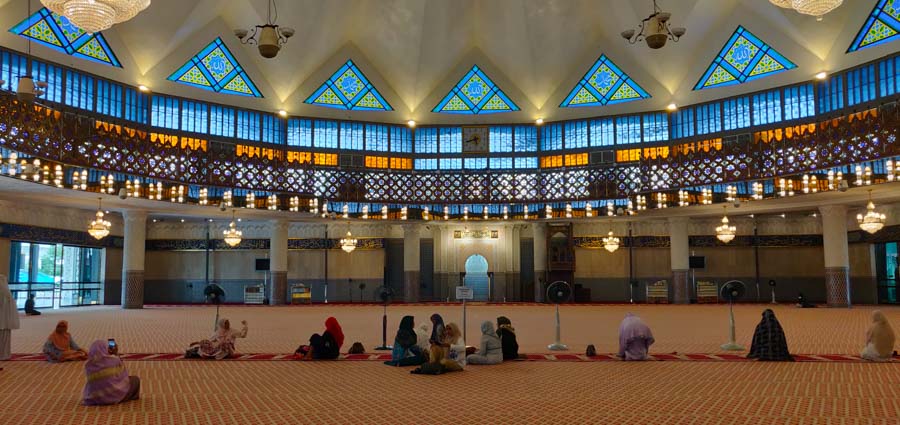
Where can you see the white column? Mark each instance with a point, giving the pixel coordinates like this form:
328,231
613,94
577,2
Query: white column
680,251
133,259
540,260
837,259
411,256
278,259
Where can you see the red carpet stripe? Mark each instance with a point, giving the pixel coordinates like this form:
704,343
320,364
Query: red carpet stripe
541,357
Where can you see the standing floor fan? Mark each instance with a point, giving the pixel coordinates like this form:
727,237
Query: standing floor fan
214,295
558,292
385,293
732,291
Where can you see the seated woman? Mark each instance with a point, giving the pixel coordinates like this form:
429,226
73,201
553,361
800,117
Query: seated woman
406,352
61,347
880,339
422,340
107,380
491,350
803,303
29,307
769,342
507,335
635,338
220,345
326,346
437,363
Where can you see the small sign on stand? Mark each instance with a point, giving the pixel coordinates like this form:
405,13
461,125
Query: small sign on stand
464,293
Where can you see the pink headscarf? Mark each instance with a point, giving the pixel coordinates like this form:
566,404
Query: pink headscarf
107,379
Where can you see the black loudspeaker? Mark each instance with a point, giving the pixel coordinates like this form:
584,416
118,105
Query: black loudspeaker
262,264
697,262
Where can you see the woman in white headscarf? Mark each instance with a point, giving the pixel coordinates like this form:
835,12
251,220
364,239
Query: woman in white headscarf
9,319
880,339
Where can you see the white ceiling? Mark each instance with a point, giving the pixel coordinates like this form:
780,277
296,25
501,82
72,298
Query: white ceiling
415,50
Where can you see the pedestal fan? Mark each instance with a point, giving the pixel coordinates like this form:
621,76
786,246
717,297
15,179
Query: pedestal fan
385,294
558,292
732,291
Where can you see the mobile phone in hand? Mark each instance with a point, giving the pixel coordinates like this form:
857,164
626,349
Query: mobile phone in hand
113,347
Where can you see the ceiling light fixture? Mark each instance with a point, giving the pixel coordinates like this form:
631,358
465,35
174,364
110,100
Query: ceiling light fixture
96,15
539,121
726,231
672,107
654,29
232,235
269,37
282,113
143,88
99,227
611,242
817,8
872,221
821,75
411,124
348,243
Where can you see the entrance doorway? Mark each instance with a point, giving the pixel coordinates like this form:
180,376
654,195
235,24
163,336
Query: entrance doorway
477,277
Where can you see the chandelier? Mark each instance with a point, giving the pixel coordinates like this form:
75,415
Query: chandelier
96,15
232,235
725,232
99,227
872,221
269,37
816,8
655,30
611,243
348,243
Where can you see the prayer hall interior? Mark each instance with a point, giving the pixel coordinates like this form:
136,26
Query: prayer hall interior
449,211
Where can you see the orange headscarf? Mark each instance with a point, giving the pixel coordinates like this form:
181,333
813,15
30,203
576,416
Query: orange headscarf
60,336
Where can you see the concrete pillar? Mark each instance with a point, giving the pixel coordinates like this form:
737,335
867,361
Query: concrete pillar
540,260
837,259
680,251
133,259
411,256
278,260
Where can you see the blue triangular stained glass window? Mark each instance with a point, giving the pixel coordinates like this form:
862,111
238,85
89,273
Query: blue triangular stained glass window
58,33
882,26
348,88
604,84
475,93
743,58
216,69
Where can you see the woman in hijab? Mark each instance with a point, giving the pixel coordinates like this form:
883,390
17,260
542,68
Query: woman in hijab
61,347
491,350
452,334
437,329
635,338
326,346
405,351
221,344
769,342
107,380
880,339
507,335
422,336
9,319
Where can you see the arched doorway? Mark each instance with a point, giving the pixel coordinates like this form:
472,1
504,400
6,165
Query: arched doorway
477,277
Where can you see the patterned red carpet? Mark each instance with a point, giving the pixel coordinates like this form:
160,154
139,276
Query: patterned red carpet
567,388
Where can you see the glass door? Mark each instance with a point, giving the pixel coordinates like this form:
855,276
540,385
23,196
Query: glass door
57,275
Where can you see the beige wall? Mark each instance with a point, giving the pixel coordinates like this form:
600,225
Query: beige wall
241,265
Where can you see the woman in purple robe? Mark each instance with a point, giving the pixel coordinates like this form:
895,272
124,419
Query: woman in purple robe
108,381
635,338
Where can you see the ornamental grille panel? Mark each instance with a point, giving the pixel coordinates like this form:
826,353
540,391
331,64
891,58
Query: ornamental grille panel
81,142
